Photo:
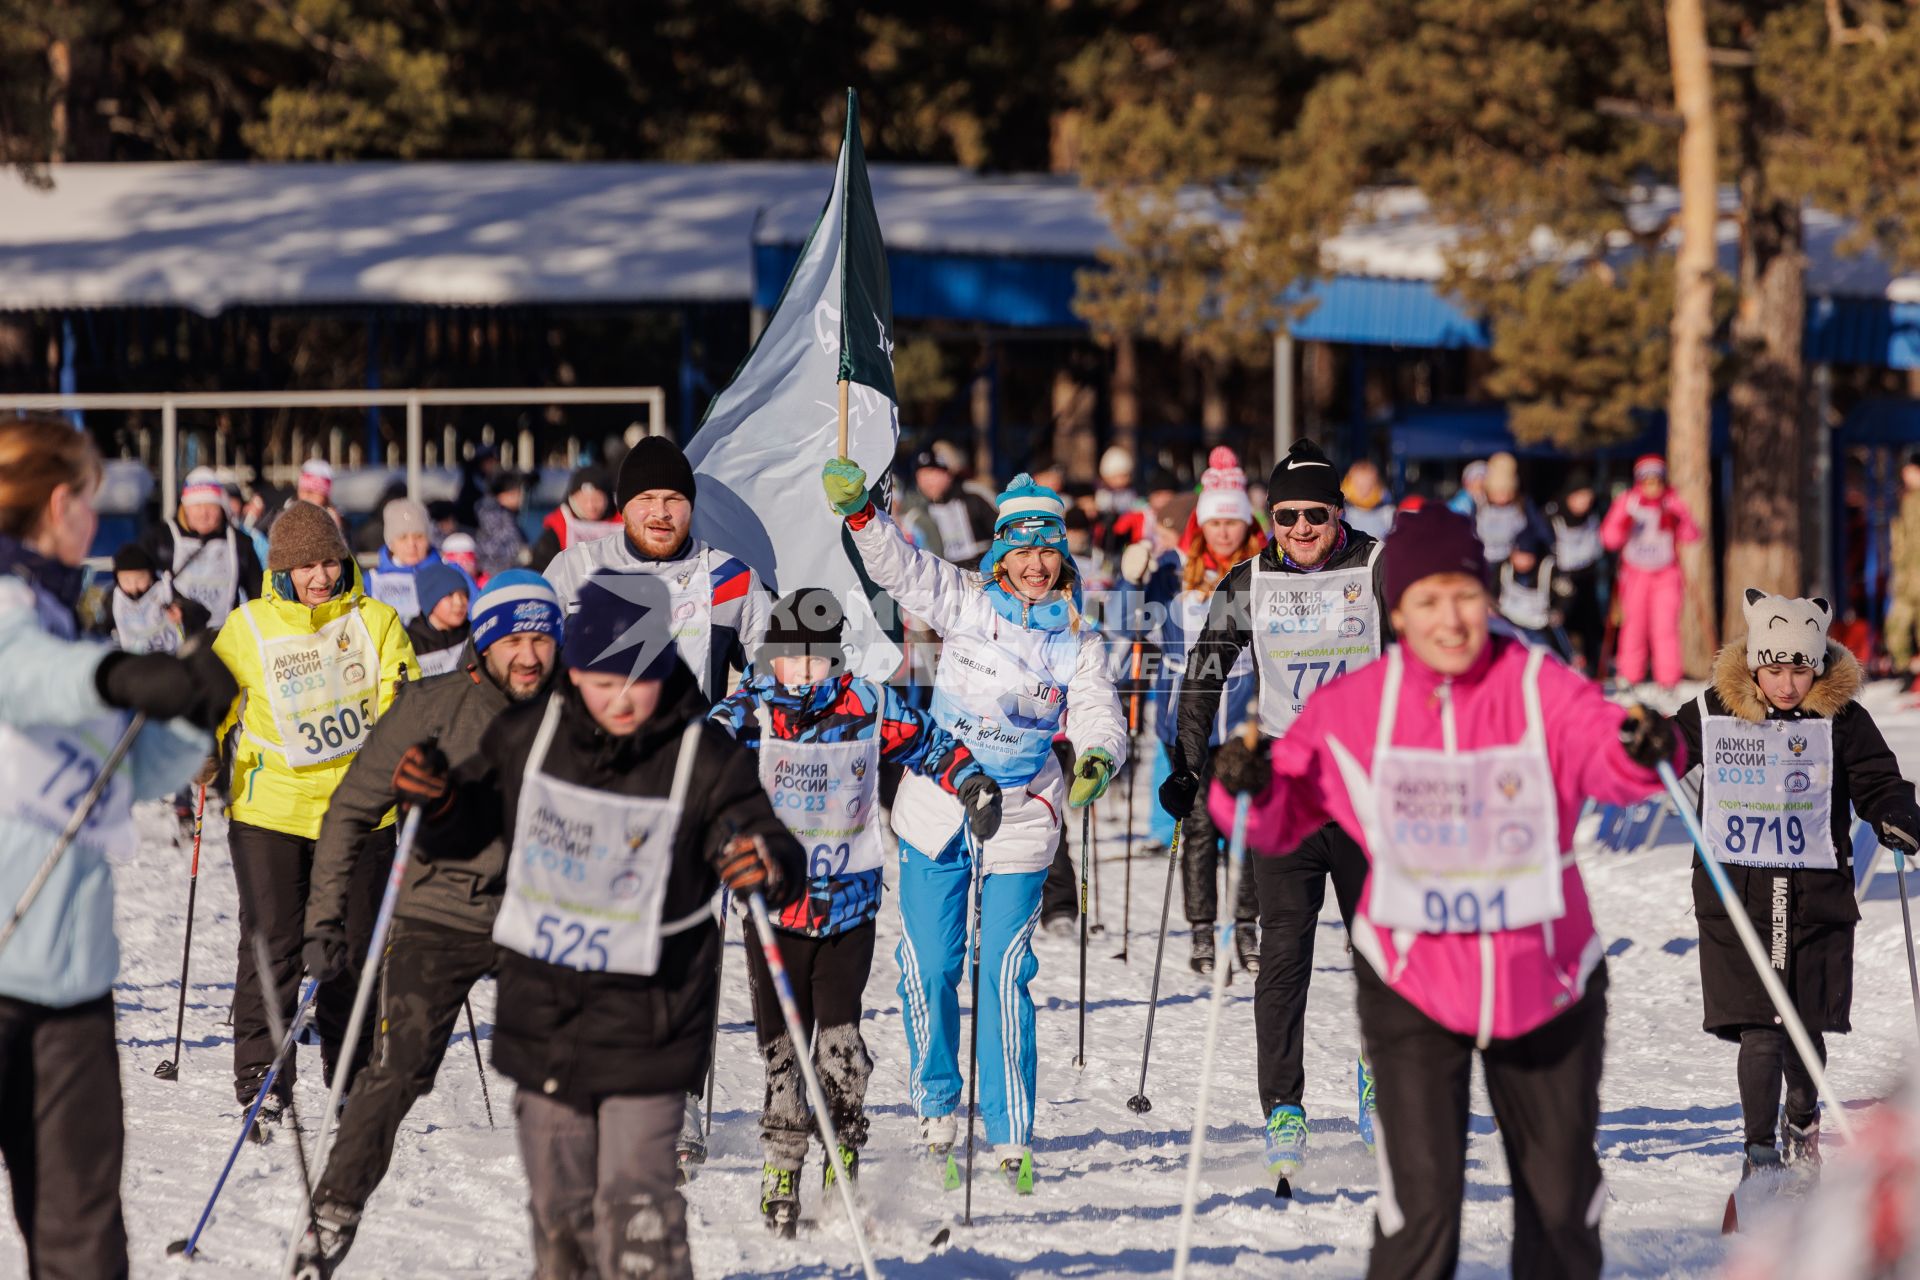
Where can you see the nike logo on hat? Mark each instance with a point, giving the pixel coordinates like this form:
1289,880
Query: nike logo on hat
1296,463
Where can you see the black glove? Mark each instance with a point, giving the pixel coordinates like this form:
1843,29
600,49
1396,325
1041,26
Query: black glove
1901,834
1178,791
420,779
193,685
325,955
194,618
980,797
747,867
1646,736
1241,769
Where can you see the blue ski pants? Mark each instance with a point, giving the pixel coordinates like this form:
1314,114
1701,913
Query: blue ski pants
934,900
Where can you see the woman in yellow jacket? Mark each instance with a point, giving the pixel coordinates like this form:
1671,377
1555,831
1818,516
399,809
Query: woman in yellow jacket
317,661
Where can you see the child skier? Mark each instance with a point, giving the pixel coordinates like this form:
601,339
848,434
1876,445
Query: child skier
439,631
1526,594
1019,659
822,736
1784,751
146,617
1645,527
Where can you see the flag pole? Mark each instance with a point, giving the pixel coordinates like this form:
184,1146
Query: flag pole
843,419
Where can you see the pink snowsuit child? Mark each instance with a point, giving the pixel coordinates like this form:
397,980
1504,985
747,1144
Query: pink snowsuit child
1645,528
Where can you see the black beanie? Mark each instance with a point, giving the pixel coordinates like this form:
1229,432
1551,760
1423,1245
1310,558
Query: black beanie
1304,475
655,463
807,621
585,477
131,557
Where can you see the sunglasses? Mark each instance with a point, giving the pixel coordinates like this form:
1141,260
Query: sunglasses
1287,517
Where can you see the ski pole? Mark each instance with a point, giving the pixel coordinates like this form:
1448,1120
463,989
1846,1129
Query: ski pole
473,1034
1737,912
170,1069
1906,932
402,855
269,999
1139,1103
1133,775
713,1052
790,1012
1236,859
186,1247
1086,829
81,813
973,1032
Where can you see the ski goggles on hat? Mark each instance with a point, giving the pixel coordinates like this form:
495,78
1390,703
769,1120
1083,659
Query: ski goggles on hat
1287,517
1031,531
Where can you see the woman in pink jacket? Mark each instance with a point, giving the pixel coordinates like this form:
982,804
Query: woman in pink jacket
1460,761
1645,528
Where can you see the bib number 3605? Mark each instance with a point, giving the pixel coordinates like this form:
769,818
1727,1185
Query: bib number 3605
335,730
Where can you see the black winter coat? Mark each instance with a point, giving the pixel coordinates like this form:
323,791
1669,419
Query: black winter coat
1818,908
583,1036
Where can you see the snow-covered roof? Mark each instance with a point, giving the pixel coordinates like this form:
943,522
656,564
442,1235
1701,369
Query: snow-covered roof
213,235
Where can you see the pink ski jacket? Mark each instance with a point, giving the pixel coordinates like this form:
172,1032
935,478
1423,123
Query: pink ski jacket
1494,985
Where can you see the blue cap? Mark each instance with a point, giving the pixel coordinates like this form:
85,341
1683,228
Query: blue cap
435,582
517,600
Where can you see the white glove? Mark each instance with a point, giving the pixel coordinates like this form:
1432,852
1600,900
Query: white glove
1136,562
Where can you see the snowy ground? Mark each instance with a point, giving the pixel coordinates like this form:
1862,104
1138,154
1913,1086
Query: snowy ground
1108,1195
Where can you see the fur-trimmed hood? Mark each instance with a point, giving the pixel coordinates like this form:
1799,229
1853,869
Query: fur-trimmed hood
1733,682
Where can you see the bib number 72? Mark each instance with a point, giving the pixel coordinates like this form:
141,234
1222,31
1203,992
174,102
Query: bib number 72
76,766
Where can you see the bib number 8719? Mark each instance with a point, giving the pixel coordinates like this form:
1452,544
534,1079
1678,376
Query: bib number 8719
568,943
1749,835
1464,912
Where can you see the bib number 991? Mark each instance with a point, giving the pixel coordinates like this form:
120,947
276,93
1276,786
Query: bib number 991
1465,911
569,943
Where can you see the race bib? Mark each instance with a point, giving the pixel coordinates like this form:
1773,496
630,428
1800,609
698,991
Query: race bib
826,793
46,770
207,573
398,590
1649,546
1004,694
1309,629
323,688
440,661
1766,792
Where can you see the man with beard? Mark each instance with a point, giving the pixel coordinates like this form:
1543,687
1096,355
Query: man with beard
442,937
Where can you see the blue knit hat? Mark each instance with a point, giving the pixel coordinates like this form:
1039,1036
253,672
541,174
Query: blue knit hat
623,627
1031,515
517,600
436,581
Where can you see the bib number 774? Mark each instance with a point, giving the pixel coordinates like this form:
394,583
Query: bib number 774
1322,672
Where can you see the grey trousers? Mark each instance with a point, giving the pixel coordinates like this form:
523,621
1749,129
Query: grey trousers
601,1187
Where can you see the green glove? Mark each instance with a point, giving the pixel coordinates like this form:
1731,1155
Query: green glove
846,486
1091,774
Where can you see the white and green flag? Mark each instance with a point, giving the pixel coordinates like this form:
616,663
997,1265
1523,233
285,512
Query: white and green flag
760,447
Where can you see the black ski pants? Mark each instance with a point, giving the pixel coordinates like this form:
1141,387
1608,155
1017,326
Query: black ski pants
1060,895
829,977
1545,1088
425,974
1582,617
1203,862
63,1138
1290,890
1767,1057
273,870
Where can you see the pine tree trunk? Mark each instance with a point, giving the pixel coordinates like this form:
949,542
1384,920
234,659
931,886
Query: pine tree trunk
1124,395
1690,385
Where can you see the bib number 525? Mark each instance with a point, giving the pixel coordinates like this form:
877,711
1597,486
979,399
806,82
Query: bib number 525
567,942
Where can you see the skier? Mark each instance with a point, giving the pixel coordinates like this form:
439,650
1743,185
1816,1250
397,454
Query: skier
821,736
501,544
64,703
1579,568
205,557
1526,594
146,617
1645,527
314,484
395,579
1460,763
318,661
1179,591
626,812
952,522
1321,569
438,632
582,516
1784,753
441,942
1018,660
719,606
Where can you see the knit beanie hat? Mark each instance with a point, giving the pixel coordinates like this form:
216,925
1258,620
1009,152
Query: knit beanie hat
514,600
1304,475
1116,463
133,557
1426,542
654,463
400,517
303,534
317,473
588,477
1223,489
806,622
436,582
623,627
1787,630
203,489
1649,464
1031,515
459,544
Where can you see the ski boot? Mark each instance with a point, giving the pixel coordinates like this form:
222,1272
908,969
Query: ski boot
1368,1105
272,1111
1286,1146
1802,1143
321,1254
1246,946
690,1148
1203,958
1018,1171
780,1200
936,1140
850,1157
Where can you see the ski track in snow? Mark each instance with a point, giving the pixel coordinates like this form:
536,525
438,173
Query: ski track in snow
1107,1201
